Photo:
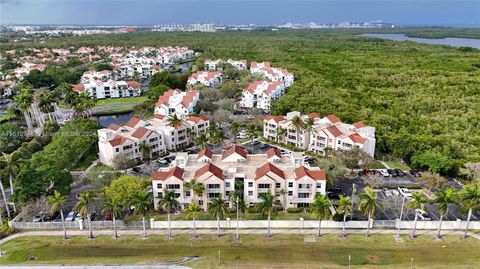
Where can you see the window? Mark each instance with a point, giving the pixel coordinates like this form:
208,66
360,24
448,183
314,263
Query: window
250,184
290,184
227,184
319,184
214,195
213,186
250,193
173,186
176,195
187,194
290,193
159,185
303,195
117,149
278,185
264,186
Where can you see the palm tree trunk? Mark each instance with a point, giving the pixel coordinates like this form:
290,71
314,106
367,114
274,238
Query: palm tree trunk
5,200
368,225
468,222
63,224
269,225
28,121
194,228
144,228
440,226
218,227
319,226
90,227
11,191
344,220
415,226
169,226
115,235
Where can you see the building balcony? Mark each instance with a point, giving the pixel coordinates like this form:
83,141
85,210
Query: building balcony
305,190
301,200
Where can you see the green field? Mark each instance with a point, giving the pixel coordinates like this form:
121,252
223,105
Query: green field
117,101
284,251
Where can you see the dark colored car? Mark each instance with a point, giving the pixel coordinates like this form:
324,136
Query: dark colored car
137,169
392,172
399,172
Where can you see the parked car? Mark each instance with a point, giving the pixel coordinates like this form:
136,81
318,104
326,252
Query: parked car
384,173
41,216
399,172
162,161
414,173
387,192
405,192
256,142
422,215
263,145
71,216
395,192
137,169
107,216
392,172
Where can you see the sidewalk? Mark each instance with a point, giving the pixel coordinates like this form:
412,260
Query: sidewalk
311,232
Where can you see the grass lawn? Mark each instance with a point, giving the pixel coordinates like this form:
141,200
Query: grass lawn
397,165
119,109
255,251
88,159
116,101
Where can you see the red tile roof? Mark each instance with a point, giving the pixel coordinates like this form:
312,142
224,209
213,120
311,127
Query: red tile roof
313,115
159,116
195,119
134,85
113,127
164,99
215,170
140,132
313,174
275,118
359,125
358,139
205,152
334,131
117,140
333,119
235,149
78,88
132,122
268,167
175,172
188,98
273,152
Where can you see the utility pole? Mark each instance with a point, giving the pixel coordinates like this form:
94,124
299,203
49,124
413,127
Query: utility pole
411,263
351,200
237,238
400,220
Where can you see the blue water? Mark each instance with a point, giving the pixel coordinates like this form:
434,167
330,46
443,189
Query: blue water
450,41
119,119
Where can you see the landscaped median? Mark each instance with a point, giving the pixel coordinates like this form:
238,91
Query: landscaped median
254,251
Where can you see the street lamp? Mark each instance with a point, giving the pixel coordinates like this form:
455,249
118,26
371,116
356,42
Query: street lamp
400,220
351,200
237,238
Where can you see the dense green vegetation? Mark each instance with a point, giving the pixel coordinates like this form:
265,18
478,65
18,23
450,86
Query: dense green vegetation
423,99
254,251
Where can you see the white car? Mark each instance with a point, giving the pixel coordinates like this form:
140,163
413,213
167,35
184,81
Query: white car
384,172
422,215
71,216
405,192
162,161
387,192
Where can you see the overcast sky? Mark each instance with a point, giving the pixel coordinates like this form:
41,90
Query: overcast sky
401,12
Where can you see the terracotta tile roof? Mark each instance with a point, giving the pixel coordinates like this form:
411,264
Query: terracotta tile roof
334,131
132,122
117,140
78,88
235,149
195,119
215,170
164,99
175,172
275,118
358,139
188,98
313,174
273,152
313,115
113,127
135,85
140,132
359,125
268,167
333,119
203,117
159,116
205,152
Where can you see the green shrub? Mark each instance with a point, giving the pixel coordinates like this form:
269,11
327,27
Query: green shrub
294,210
5,229
337,217
251,210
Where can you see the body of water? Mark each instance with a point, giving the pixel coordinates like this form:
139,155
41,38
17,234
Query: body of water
119,119
450,41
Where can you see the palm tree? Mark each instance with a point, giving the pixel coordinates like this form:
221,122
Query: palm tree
113,206
46,101
470,198
175,122
234,129
191,212
218,210
82,206
58,200
145,151
218,137
297,123
321,208
283,193
308,125
82,105
196,187
201,140
418,203
168,202
267,207
212,128
10,167
251,134
344,206
368,205
280,133
24,100
442,199
142,203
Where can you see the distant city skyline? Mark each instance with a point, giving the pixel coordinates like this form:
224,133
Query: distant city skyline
267,12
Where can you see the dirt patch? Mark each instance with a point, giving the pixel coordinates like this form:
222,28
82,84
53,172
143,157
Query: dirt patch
372,258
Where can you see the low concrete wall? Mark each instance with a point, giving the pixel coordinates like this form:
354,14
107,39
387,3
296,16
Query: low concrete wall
72,225
446,225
